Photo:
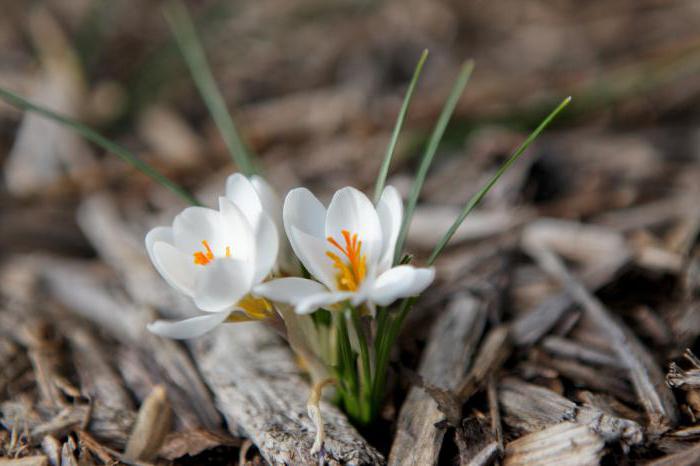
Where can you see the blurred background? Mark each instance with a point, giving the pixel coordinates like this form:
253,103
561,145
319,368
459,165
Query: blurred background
314,87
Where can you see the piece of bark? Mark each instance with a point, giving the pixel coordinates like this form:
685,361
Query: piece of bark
52,448
492,354
686,457
105,423
417,440
646,376
88,443
44,354
26,461
87,293
97,378
532,408
606,253
257,385
430,223
563,347
68,451
565,443
484,457
495,412
475,441
685,379
194,442
586,376
152,424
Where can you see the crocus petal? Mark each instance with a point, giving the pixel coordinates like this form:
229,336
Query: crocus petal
176,267
306,213
311,251
236,232
289,290
196,224
222,284
351,210
401,282
266,248
271,202
320,300
390,212
272,205
188,328
241,192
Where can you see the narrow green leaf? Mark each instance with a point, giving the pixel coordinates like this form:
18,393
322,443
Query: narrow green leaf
186,37
101,141
384,170
476,198
429,153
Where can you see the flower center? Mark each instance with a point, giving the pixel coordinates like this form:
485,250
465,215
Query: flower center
353,267
206,256
254,307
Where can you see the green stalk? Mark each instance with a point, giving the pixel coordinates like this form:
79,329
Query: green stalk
186,37
476,198
365,387
106,144
430,151
384,169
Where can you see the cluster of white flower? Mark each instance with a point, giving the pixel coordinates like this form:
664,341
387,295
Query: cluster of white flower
236,264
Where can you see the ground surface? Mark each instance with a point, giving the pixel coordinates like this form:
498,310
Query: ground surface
528,366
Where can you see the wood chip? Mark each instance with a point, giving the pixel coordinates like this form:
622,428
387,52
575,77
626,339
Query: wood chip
152,424
418,440
645,375
565,444
532,408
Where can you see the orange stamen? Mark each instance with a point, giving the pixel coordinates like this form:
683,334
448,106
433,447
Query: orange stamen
351,274
202,258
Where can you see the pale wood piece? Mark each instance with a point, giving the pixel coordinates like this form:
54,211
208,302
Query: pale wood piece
452,344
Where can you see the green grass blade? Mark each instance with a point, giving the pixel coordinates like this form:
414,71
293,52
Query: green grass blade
429,153
186,37
384,170
476,198
101,141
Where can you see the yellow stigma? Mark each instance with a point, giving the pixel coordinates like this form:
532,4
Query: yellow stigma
203,258
352,272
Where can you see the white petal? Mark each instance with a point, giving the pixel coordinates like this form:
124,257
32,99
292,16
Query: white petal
272,206
188,328
303,211
311,251
266,248
235,232
241,192
289,290
351,210
401,282
222,284
176,267
320,300
158,234
196,224
390,212
270,200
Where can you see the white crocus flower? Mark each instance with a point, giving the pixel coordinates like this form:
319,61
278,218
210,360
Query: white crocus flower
216,257
349,249
256,197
